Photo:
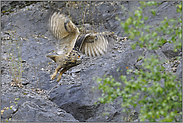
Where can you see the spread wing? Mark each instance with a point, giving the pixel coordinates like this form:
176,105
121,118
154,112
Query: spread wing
92,44
64,30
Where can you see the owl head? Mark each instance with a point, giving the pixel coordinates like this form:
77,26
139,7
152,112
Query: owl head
75,57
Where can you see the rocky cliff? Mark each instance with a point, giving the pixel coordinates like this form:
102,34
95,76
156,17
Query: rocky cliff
73,98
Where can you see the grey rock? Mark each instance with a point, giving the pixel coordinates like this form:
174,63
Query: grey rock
127,61
71,99
102,7
74,93
167,49
76,70
159,53
7,113
104,113
30,106
31,112
138,64
179,71
25,82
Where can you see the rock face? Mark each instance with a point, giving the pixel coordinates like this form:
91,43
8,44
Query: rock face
28,109
168,50
32,107
73,98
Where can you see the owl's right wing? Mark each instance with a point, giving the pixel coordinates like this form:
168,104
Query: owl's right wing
64,30
92,44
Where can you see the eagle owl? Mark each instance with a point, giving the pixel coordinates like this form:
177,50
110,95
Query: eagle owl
72,43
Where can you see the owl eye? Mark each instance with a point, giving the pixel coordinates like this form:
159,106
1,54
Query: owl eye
78,56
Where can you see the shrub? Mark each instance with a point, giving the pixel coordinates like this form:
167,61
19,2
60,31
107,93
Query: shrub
13,49
156,91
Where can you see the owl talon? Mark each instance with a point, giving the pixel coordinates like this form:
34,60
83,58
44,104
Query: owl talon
55,73
58,79
53,76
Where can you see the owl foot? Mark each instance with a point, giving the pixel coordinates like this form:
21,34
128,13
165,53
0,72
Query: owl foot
55,73
61,72
59,78
53,76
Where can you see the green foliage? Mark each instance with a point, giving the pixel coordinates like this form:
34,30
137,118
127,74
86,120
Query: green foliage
135,26
155,90
161,92
109,87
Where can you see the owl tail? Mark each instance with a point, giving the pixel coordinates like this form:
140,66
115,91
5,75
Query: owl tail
53,57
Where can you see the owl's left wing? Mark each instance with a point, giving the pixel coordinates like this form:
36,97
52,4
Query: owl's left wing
64,30
92,44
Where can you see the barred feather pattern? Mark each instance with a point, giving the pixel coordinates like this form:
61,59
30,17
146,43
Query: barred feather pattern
63,30
94,45
91,44
71,44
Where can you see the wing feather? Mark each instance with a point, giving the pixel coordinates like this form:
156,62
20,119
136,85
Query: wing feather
96,51
92,51
86,50
64,30
89,50
94,45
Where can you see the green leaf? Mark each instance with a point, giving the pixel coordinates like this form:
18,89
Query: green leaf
129,21
145,18
153,11
133,46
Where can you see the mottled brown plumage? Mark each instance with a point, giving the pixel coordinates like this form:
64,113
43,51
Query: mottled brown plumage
72,44
65,62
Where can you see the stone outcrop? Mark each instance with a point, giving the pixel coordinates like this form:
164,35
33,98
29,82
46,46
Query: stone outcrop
73,98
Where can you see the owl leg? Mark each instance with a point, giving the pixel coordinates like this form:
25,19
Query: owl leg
61,72
55,73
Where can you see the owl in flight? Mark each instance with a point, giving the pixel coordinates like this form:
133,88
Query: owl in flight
72,43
